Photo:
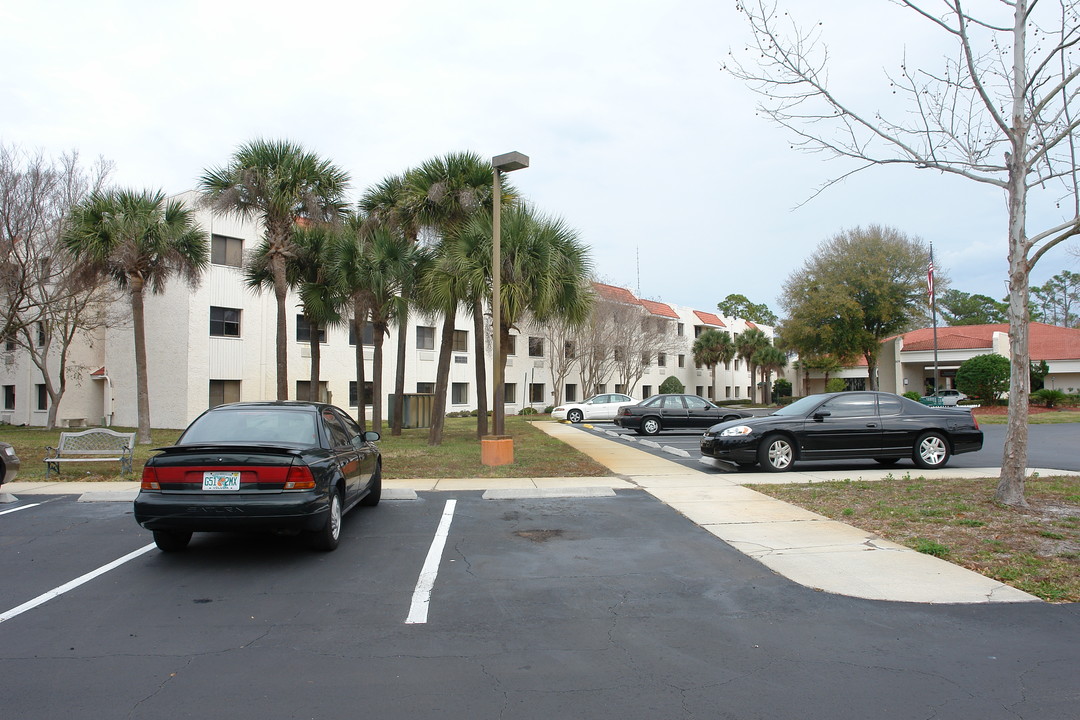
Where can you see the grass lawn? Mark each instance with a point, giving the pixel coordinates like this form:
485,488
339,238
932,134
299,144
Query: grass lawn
998,415
1035,550
536,454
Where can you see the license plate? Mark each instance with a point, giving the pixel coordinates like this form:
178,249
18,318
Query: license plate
216,481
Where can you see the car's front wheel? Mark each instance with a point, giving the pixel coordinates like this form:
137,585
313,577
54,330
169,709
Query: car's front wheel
575,416
931,451
328,536
776,453
172,540
650,426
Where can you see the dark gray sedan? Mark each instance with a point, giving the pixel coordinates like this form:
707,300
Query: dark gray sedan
674,412
835,426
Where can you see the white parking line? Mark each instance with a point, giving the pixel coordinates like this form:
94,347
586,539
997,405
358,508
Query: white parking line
58,591
418,611
22,507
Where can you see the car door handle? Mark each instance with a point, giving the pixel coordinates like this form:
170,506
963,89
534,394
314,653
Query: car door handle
871,425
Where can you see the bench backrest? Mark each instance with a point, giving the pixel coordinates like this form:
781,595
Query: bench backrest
97,441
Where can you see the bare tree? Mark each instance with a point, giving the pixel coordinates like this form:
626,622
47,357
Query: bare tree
561,336
594,343
1002,112
47,300
640,337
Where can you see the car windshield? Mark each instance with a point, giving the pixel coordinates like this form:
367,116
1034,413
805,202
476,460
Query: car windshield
800,407
276,426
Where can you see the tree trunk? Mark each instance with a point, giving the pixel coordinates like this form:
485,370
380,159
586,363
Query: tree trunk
281,290
142,389
359,316
442,380
378,337
1010,489
399,371
316,364
480,353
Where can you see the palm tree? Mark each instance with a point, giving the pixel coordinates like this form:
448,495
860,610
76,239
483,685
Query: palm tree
279,182
445,193
711,348
139,239
389,205
545,269
770,359
377,268
309,271
747,343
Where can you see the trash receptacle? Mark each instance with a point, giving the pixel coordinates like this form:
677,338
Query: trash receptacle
417,409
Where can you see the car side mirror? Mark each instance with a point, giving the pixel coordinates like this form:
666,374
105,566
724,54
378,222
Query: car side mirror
821,415
372,436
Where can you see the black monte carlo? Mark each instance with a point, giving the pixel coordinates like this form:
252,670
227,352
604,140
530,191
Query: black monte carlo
846,425
278,466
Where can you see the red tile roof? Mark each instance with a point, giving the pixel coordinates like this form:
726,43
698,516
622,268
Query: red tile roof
751,325
615,294
659,308
709,319
1047,342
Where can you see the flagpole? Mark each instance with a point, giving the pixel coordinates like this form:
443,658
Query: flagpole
933,311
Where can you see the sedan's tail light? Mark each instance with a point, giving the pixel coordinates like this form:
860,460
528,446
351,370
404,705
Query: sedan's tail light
149,479
300,478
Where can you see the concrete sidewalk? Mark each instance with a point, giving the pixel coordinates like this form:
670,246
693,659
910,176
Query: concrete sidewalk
805,547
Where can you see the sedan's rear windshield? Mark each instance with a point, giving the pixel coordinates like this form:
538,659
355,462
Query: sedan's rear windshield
288,427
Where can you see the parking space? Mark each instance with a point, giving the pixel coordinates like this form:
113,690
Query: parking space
607,607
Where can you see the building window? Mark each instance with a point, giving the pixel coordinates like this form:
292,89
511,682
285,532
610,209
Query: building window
661,359
224,391
41,334
736,391
459,393
425,388
736,365
601,388
679,329
682,361
710,392
9,344
9,397
569,350
536,347
303,330
749,392
646,358
509,393
511,345
620,388
536,392
369,334
700,391
571,392
698,329
303,391
224,322
42,397
727,364
226,251
461,341
369,393
425,337
646,391
727,391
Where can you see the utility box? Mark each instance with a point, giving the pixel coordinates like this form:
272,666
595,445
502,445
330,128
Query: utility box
417,413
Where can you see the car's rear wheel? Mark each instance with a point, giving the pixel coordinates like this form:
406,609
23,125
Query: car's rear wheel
575,416
776,453
931,451
373,497
650,426
328,536
171,540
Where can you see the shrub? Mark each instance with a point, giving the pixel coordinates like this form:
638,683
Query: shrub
984,376
781,388
672,385
1049,398
548,409
528,411
835,385
912,395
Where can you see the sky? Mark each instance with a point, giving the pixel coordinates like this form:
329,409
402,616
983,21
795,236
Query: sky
637,137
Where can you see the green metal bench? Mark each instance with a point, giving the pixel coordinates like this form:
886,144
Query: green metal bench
91,446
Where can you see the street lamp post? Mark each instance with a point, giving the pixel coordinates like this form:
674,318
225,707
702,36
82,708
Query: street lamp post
506,162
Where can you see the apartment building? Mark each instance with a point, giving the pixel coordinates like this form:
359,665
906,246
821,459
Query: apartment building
214,343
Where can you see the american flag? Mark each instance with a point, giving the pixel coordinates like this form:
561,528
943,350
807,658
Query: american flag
930,281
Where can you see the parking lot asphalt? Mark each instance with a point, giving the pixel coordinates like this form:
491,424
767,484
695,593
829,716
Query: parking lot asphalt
807,548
